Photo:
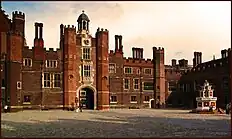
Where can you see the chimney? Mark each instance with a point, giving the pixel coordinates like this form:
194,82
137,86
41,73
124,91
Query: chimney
36,30
120,43
141,53
173,62
41,31
133,52
116,43
195,59
224,53
200,57
61,31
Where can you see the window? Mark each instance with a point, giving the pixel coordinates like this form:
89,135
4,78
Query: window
148,86
113,99
112,68
19,85
87,69
133,99
27,62
138,71
86,53
126,83
57,80
51,63
136,83
128,70
27,99
83,93
47,80
147,71
146,99
3,83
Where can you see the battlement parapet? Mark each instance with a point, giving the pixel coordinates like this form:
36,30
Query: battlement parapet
142,61
101,30
210,65
158,49
70,28
18,15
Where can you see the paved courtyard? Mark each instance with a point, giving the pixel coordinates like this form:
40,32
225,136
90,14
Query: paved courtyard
114,123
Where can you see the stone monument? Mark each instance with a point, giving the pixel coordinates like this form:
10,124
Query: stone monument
206,100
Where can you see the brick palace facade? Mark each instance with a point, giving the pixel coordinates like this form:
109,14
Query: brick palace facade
83,69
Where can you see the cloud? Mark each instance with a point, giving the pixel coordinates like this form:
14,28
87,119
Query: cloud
177,26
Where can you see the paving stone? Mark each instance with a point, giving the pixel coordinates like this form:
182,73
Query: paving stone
114,123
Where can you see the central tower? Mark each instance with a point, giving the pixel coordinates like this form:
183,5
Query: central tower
85,65
83,23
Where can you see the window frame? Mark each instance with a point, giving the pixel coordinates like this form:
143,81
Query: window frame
124,83
86,71
131,70
150,73
147,89
111,100
55,81
114,70
135,84
45,81
26,62
133,101
86,55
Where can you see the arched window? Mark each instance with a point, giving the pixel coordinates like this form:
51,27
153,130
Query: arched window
84,25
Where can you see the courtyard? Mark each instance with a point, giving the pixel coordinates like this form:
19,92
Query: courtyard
114,123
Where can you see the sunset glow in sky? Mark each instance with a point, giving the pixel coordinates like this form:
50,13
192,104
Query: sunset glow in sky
180,27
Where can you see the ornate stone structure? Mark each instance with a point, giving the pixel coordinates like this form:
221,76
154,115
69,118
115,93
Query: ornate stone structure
206,100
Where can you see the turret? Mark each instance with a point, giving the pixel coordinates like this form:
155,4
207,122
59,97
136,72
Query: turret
102,74
159,75
18,22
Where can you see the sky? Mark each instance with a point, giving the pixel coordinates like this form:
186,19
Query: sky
179,27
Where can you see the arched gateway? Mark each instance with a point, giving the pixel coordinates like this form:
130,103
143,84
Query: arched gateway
87,95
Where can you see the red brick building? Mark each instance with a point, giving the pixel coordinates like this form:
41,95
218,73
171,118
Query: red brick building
215,71
84,68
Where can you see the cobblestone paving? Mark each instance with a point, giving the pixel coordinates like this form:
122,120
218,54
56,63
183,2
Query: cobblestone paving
114,123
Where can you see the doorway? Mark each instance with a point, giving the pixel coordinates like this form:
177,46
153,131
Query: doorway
87,98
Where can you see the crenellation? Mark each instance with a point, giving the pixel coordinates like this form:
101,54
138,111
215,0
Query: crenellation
152,69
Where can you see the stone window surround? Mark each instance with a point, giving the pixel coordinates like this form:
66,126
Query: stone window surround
131,70
113,100
114,65
50,63
135,84
128,83
133,101
27,62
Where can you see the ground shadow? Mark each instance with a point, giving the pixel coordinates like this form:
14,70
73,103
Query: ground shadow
133,126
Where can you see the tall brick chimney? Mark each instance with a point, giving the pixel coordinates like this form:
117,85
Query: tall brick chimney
120,43
197,58
116,43
38,42
173,62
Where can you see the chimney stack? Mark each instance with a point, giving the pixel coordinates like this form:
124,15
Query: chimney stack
173,62
116,43
41,31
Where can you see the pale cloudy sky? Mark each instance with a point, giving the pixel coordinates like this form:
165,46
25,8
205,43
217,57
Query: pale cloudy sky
180,27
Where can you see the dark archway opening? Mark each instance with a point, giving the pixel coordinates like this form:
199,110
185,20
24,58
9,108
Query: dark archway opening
87,98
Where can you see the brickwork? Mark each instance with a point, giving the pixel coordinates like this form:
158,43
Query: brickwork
54,78
70,67
102,70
